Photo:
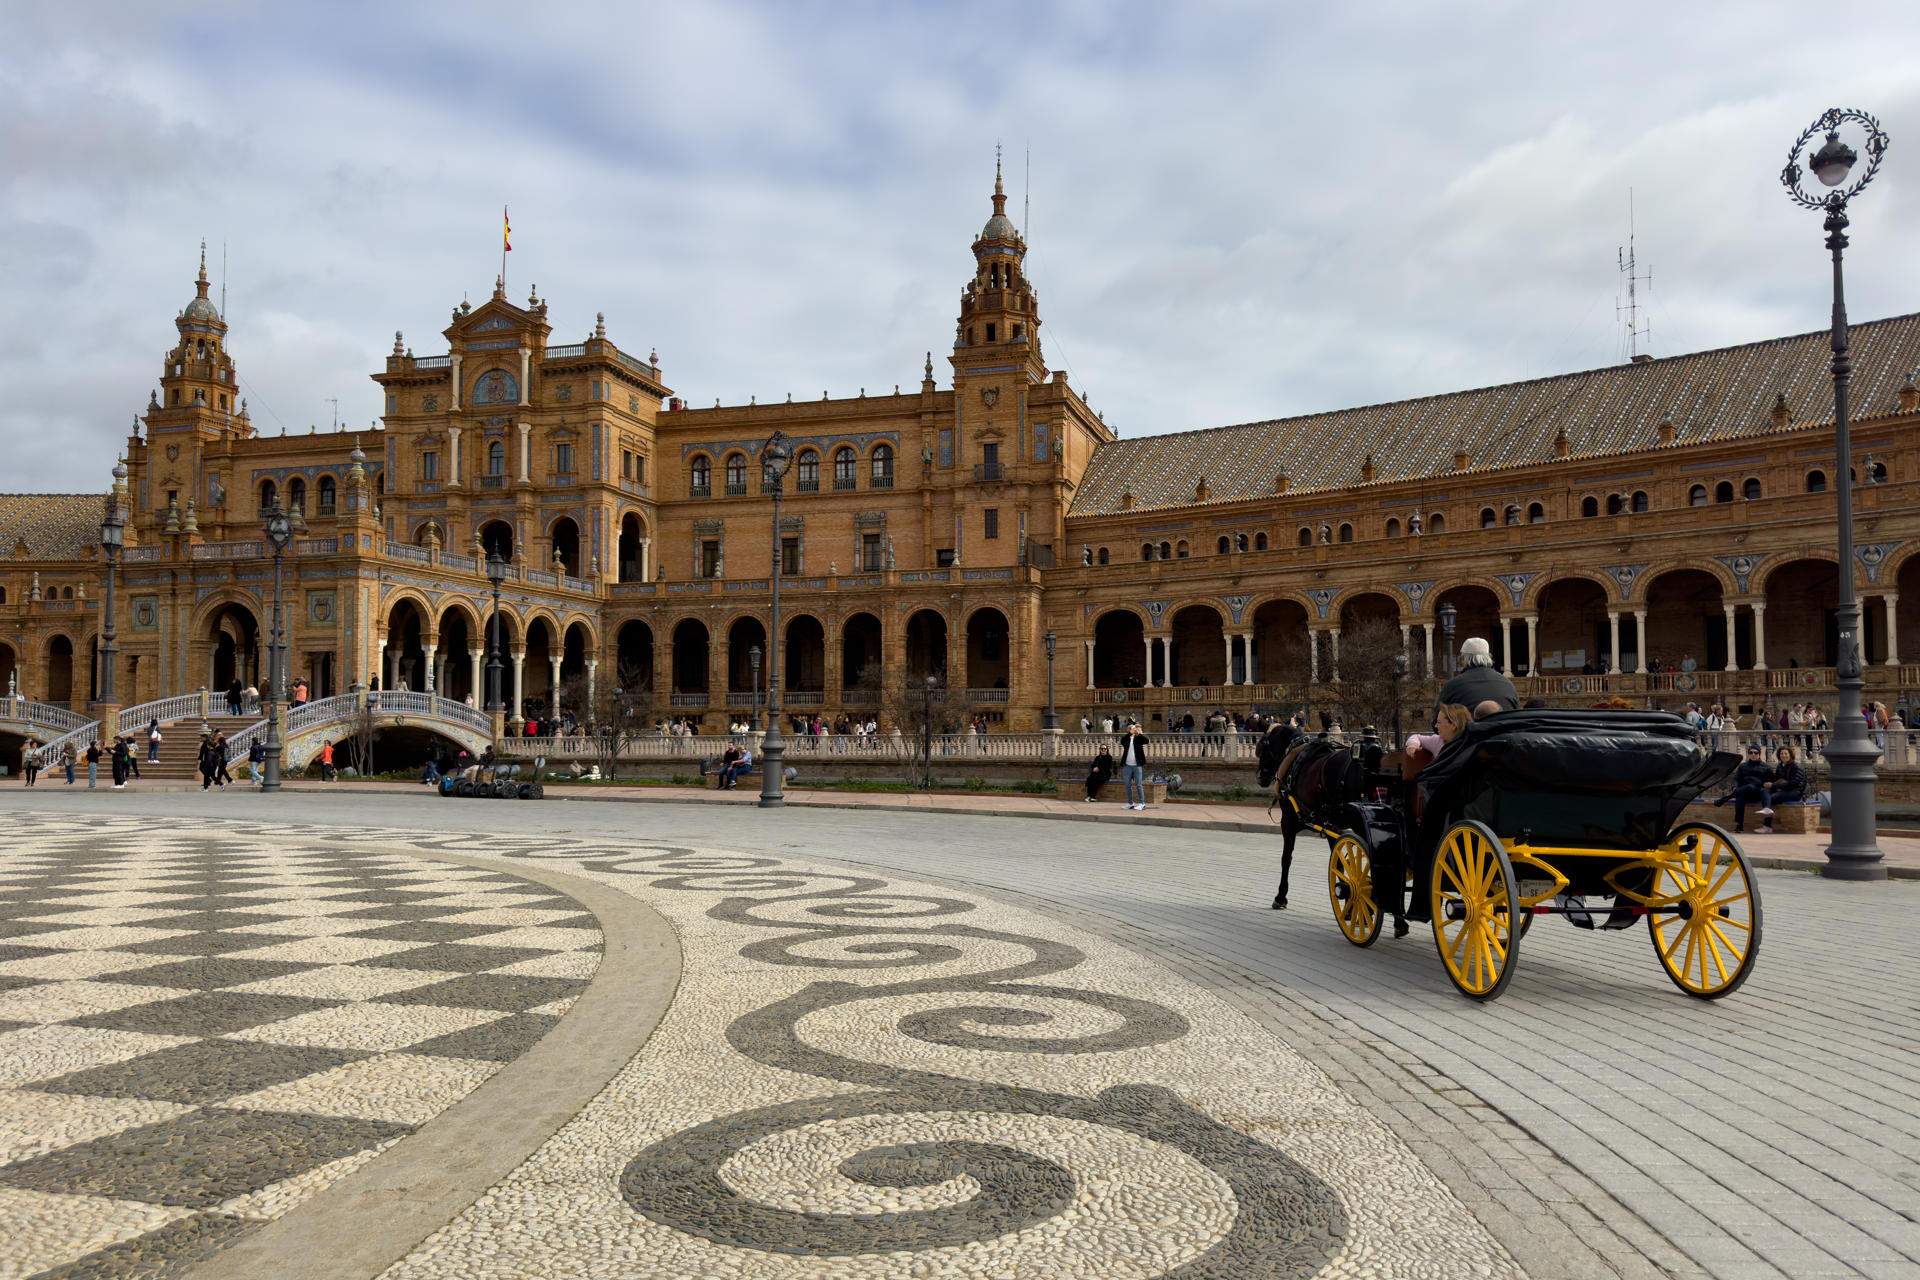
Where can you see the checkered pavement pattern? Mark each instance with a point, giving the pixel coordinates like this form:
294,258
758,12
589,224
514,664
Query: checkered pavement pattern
199,1029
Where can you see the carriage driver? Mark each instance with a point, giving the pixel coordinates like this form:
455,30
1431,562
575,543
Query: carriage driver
1477,681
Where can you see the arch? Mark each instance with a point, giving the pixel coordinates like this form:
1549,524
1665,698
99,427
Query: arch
496,458
989,649
1477,609
633,530
1221,545
1119,650
1685,620
1616,504
1362,603
1723,492
328,496
1751,490
231,630
1537,588
419,538
1260,540
1511,515
745,634
1102,557
700,476
1280,631
1641,504
804,658
1803,598
1346,532
1489,519
633,660
60,670
577,644
1536,513
1164,551
497,537
861,652
880,465
459,634
1199,646
1306,536
297,494
404,661
735,465
1146,551
926,644
844,467
268,494
1437,522
9,664
1816,481
1239,542
1906,622
1393,527
495,386
1180,550
690,653
564,537
1697,496
1574,634
1589,507
806,471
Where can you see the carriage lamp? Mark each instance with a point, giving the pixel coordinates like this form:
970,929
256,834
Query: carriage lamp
1854,853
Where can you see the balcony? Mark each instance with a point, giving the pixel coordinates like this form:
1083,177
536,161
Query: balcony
693,698
807,486
882,482
843,482
989,471
493,482
737,490
702,491
567,352
433,362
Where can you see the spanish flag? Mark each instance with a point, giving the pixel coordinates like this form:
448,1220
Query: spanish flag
506,231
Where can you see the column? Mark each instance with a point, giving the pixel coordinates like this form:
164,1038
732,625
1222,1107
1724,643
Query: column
554,661
519,664
524,354
593,690
1089,645
1226,640
1533,639
1892,602
1426,640
1333,653
1759,635
1246,643
1506,648
453,456
1640,642
1148,641
432,649
1613,642
646,558
1166,661
1406,641
456,380
1733,653
380,665
526,452
1313,656
474,658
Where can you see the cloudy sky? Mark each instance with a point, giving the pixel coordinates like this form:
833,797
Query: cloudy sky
1237,211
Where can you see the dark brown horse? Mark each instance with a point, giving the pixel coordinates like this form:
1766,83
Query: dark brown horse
1315,775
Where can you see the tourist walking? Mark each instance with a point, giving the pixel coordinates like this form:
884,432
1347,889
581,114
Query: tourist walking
210,763
1133,766
257,762
30,761
93,763
327,772
67,757
220,774
153,742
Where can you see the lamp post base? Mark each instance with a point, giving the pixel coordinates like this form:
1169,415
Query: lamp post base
773,755
1855,852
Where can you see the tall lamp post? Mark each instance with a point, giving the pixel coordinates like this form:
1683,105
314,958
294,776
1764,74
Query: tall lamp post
1447,615
775,456
1053,714
1854,853
926,734
753,716
113,536
279,530
496,574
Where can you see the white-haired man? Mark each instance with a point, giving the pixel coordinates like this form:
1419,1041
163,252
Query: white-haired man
1478,680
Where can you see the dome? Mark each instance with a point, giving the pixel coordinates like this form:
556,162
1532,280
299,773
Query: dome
999,227
202,309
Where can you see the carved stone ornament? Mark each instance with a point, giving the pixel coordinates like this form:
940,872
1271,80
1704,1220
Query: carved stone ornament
173,453
989,396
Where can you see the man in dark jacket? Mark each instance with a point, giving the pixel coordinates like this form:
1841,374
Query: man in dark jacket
1100,774
1749,785
1478,680
1132,758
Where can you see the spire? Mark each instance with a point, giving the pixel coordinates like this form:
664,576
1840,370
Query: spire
999,191
203,268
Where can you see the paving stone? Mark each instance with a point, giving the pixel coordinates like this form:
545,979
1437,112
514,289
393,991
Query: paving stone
490,991
200,1072
204,1013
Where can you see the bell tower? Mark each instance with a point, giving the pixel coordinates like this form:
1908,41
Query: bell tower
198,381
999,322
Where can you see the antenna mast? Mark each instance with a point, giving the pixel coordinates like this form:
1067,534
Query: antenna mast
335,402
1026,198
223,277
1628,313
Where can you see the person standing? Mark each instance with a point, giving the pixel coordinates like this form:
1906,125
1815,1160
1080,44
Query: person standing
117,762
153,742
327,771
67,757
93,763
30,761
236,697
209,761
1133,766
257,762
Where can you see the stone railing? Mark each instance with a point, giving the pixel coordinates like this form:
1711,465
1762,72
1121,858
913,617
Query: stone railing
225,551
567,352
406,551
45,715
167,710
433,362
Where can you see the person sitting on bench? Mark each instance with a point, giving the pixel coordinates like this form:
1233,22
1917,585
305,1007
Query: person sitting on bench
1100,774
738,761
1788,786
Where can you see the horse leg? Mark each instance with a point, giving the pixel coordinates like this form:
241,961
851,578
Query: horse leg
1287,833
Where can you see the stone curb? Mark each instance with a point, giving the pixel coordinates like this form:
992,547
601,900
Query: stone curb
377,1215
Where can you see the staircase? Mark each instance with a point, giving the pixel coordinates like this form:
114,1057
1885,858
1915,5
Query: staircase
180,747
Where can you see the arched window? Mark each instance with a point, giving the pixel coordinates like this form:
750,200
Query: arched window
1259,542
1751,491
881,466
1393,527
1346,533
1488,520
1816,482
1640,503
736,475
1165,551
1616,503
1180,552
807,471
496,458
267,495
1536,514
1697,496
66,593
1589,506
1146,551
700,477
1240,542
1306,536
297,494
327,495
1103,555
843,468
1876,472
1513,513
1221,546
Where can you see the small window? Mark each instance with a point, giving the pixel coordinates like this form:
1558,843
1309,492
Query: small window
640,467
943,558
1346,533
1306,536
297,494
881,467
496,458
563,458
1146,551
1220,547
1876,472
1589,507
1393,527
710,558
430,465
1751,491
1723,492
1513,513
1436,523
1697,496
267,494
1536,514
1180,552
1259,542
843,468
736,475
1488,519
870,561
1240,542
990,337
702,477
990,523
1640,503
1616,503
327,495
790,555
1165,551
223,401
1816,482
626,464
1103,555
66,593
807,472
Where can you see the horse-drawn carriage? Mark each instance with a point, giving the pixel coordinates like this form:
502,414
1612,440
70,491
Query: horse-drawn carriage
1533,813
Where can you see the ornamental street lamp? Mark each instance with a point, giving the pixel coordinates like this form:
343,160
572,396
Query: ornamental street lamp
1854,853
112,538
1053,715
496,574
753,717
775,456
1447,616
279,530
926,734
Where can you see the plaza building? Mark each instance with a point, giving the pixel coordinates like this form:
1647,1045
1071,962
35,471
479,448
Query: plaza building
1659,529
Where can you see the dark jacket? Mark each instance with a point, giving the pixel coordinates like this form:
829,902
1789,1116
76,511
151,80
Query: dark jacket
1752,773
1102,766
1790,777
1139,750
1475,685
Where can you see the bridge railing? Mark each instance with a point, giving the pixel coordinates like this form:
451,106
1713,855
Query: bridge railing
50,751
42,714
165,710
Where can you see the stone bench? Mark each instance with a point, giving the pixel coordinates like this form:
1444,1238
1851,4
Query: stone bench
1789,819
1115,792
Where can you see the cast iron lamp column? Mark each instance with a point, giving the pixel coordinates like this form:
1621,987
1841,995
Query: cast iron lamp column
753,716
1053,715
279,531
926,734
112,538
1854,853
1447,615
496,574
775,455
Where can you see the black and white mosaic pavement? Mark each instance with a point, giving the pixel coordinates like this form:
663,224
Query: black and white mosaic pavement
201,1027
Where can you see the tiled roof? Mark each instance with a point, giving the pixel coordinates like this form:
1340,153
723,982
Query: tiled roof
55,526
1727,394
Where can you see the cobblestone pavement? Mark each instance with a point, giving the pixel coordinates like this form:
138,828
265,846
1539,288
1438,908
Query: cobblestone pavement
1594,1120
201,1028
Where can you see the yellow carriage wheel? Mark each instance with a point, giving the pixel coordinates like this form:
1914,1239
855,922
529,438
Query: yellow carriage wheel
1707,946
1475,908
1350,885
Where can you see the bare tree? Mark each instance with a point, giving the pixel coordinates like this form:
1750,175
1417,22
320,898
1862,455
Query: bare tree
1366,691
358,735
619,712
